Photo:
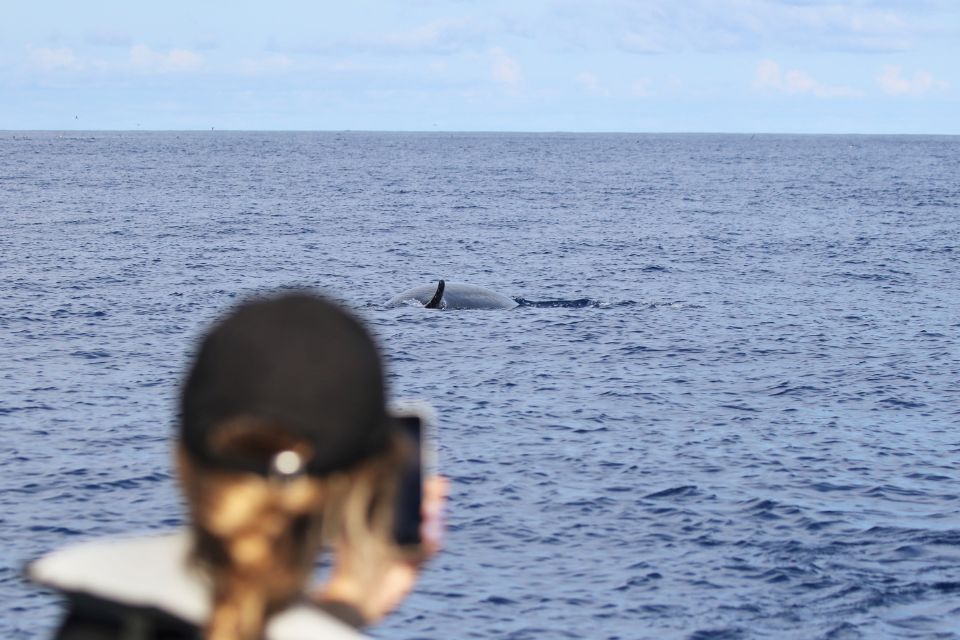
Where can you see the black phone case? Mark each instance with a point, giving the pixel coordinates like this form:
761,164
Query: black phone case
407,518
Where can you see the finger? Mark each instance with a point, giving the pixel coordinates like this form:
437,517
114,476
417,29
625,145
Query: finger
435,490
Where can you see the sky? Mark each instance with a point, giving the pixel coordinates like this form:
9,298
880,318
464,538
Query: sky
752,66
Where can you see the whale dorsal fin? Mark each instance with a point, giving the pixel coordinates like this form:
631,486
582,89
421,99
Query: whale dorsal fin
437,297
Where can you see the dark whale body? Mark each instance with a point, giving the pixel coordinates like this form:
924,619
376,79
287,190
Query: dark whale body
453,295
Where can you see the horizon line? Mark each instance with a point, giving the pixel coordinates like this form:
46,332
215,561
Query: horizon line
482,131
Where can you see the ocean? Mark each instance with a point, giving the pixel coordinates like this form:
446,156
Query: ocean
751,429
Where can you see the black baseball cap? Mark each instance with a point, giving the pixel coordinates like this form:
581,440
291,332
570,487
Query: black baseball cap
295,362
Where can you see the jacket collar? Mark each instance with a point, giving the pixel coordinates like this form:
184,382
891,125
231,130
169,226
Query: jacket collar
154,572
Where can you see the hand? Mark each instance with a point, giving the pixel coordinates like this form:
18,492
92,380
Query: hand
378,595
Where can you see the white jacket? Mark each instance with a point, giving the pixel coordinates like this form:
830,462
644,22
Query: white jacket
154,572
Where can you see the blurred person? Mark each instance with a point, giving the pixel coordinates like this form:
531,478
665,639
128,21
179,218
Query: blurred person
285,448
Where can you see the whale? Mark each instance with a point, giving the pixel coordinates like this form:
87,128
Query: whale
457,295
453,296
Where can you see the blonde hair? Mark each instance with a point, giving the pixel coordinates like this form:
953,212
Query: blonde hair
258,537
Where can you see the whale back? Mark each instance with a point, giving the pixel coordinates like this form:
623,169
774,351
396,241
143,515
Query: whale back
422,294
454,296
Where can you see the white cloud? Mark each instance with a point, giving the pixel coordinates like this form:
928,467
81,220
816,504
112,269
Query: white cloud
661,26
768,76
796,81
143,58
590,83
438,36
54,60
893,83
505,69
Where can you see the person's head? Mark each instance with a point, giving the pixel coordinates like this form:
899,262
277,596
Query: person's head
284,447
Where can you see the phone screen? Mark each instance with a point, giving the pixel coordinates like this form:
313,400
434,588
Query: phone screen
407,518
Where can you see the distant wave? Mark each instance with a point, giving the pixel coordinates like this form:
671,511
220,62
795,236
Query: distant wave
580,303
568,304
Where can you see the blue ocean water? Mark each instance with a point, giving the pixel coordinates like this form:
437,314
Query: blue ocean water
752,431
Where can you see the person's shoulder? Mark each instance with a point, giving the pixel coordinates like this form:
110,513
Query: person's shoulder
153,572
142,571
102,560
304,622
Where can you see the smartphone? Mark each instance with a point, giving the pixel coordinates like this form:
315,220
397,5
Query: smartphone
413,421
